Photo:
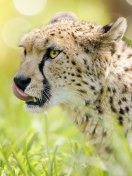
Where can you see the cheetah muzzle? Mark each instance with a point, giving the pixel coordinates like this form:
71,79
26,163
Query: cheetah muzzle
20,84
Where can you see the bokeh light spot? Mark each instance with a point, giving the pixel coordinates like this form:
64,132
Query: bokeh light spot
13,30
128,33
1,1
30,7
129,2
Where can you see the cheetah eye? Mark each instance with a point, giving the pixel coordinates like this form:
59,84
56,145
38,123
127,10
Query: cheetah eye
54,53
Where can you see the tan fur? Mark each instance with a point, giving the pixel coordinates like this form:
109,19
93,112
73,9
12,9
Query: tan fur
91,78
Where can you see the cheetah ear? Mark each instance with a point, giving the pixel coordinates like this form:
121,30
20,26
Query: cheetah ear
114,31
63,16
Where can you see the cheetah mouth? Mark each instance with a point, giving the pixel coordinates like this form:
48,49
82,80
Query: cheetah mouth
29,100
36,102
40,101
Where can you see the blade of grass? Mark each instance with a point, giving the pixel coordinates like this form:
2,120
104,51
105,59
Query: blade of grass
53,163
20,165
31,168
6,162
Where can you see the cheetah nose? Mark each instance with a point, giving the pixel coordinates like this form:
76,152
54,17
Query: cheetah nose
22,82
20,94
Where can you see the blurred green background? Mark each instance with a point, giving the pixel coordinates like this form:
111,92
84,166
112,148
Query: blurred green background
47,144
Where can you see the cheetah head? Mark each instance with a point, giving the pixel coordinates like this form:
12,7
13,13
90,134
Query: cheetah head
53,63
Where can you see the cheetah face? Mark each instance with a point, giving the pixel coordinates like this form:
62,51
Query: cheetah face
44,77
38,80
57,63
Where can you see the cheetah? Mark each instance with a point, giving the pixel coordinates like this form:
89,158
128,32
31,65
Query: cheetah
83,67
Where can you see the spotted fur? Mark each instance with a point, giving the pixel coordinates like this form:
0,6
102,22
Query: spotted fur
91,78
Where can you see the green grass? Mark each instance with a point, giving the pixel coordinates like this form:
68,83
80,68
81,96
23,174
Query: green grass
50,145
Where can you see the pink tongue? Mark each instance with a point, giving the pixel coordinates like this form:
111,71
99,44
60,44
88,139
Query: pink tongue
20,94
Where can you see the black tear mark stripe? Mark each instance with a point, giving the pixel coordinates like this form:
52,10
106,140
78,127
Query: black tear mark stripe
42,63
46,91
41,66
